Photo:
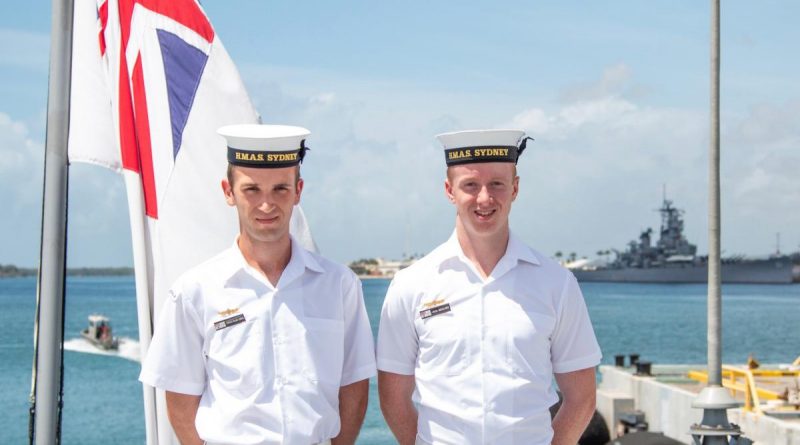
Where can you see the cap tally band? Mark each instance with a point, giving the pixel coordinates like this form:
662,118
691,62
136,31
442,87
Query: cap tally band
267,159
466,155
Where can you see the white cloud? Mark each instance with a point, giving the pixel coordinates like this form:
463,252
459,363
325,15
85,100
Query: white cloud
99,228
605,111
765,152
21,189
97,222
20,162
615,79
770,124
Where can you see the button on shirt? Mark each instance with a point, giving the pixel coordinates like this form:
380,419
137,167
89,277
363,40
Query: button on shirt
267,360
483,351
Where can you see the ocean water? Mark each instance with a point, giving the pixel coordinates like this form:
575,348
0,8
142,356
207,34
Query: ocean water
103,399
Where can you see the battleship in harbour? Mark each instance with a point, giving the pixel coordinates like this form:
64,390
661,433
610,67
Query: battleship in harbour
673,259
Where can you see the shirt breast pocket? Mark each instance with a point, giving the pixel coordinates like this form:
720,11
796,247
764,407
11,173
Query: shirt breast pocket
528,345
324,354
235,355
443,345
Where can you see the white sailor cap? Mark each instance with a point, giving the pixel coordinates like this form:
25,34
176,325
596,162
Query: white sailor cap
464,147
265,146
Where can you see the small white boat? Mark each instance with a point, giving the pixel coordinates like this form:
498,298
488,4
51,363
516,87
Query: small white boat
99,333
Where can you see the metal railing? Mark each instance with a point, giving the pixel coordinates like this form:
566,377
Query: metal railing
743,380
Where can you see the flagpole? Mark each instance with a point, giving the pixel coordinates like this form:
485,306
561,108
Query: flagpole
49,329
714,400
144,308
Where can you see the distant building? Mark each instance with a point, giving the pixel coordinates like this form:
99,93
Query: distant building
380,267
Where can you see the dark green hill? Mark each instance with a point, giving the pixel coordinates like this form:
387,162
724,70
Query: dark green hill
10,270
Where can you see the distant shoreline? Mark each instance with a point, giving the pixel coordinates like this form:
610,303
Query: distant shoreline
373,277
11,271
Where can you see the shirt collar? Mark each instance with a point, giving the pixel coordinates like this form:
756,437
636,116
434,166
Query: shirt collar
300,260
304,257
452,249
516,251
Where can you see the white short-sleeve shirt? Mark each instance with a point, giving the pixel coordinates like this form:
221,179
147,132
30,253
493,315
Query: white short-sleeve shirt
267,360
483,351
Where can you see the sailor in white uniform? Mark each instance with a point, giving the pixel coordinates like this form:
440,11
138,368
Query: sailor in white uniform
266,343
472,335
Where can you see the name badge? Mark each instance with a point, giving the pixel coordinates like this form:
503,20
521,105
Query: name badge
228,322
428,313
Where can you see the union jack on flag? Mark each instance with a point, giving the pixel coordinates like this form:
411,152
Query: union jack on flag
170,41
151,84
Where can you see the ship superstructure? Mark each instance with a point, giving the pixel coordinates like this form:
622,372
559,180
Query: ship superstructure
671,247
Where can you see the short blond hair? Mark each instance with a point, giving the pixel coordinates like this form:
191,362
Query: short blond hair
513,173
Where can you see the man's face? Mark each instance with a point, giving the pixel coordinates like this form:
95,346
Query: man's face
264,198
482,194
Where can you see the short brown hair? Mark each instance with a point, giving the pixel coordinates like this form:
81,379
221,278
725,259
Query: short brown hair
229,174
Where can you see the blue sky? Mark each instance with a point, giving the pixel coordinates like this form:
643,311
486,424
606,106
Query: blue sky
615,93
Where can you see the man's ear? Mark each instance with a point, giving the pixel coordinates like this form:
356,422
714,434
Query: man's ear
227,190
299,191
448,190
515,185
